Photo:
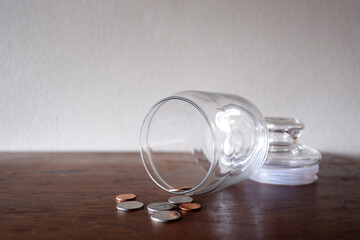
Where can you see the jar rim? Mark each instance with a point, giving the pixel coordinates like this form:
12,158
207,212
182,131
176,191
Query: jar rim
150,114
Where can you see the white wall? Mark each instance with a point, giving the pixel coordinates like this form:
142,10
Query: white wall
81,75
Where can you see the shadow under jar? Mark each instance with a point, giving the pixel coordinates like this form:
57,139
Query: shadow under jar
199,142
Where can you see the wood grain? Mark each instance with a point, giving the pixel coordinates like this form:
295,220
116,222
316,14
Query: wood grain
72,196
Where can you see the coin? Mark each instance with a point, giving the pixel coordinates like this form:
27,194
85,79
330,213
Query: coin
180,189
180,199
130,205
125,197
160,206
190,206
165,216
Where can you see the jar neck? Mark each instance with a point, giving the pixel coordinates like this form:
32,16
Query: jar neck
283,134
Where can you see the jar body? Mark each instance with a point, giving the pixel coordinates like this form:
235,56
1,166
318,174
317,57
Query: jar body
200,142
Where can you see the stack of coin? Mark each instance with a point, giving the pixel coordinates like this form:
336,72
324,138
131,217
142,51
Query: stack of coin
125,203
160,211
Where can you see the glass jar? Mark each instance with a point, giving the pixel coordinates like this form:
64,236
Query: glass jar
199,142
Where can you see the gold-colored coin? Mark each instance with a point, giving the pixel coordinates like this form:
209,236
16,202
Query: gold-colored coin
125,197
180,189
190,206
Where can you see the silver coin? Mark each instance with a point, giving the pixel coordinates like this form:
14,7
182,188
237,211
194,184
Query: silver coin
129,205
180,199
165,216
160,206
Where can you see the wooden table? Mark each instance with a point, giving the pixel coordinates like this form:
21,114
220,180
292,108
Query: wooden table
71,196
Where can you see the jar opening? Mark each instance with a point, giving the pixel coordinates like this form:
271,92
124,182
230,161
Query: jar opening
177,151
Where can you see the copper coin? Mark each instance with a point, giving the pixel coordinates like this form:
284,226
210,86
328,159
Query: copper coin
190,206
125,197
180,189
